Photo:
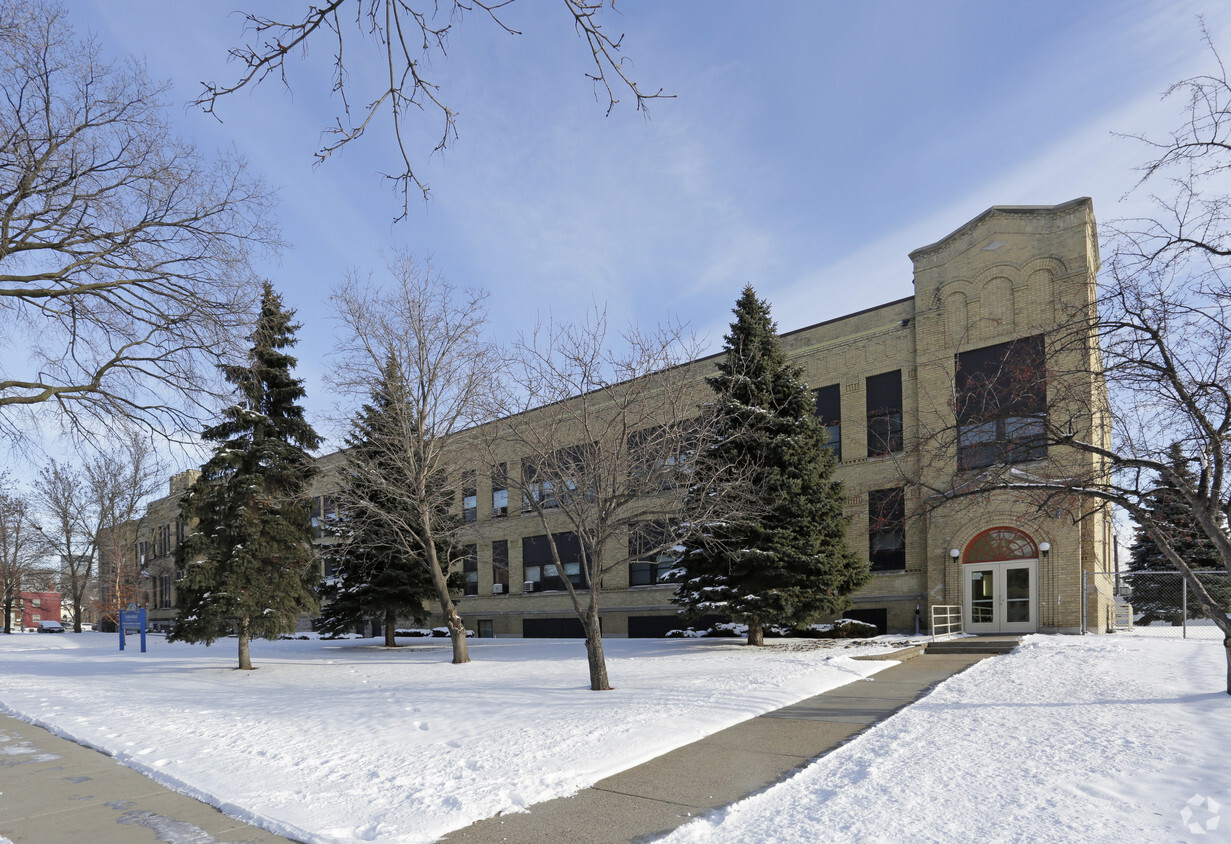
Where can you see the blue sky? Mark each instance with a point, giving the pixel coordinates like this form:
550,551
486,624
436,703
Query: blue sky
809,148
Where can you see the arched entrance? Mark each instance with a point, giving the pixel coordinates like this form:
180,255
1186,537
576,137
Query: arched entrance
1000,569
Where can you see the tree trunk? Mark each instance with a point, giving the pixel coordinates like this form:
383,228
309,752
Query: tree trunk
391,626
1226,646
76,610
245,659
756,634
595,657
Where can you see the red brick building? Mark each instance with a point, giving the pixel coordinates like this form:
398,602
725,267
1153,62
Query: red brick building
38,606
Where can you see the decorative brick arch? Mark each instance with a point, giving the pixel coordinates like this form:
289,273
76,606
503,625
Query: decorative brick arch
1000,543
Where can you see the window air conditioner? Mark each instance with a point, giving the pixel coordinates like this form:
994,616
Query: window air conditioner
497,512
528,586
497,588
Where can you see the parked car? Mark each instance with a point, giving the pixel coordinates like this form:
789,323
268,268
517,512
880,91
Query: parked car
50,627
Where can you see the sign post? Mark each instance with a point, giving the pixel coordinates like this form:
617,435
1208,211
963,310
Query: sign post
132,619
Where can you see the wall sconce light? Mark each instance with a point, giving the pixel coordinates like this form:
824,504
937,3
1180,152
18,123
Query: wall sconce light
954,553
1044,547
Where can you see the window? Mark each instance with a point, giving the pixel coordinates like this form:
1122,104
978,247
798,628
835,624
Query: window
651,552
470,569
37,602
164,591
179,532
500,492
884,397
658,457
829,412
538,567
541,490
887,529
324,512
500,567
470,496
1001,403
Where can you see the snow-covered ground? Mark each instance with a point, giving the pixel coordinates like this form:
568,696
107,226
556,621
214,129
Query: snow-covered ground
347,741
1096,738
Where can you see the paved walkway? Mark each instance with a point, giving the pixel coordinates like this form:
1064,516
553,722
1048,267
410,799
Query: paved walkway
54,790
669,791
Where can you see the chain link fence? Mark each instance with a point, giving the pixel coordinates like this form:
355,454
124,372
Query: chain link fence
1155,603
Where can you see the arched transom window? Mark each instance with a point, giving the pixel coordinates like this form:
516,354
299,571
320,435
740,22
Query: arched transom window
1001,543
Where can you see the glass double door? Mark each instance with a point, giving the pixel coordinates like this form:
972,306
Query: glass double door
1001,597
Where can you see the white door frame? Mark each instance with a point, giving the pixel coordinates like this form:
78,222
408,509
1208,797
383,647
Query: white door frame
990,615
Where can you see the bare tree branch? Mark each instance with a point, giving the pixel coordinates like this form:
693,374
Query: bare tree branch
406,37
124,253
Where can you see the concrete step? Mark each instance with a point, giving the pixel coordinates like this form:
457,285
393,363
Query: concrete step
1000,645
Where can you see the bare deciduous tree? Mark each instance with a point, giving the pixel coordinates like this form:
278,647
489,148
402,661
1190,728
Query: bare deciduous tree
405,38
82,505
430,336
21,548
124,253
606,440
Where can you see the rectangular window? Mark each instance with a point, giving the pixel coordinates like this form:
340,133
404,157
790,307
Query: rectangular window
324,511
651,553
659,457
538,567
470,569
500,491
829,412
1001,408
540,489
470,496
887,529
164,591
884,398
500,567
179,532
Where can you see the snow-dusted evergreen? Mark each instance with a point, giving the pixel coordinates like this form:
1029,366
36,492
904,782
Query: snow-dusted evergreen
372,573
788,562
249,565
1158,598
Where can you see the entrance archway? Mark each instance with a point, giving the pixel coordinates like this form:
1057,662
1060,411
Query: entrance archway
1000,582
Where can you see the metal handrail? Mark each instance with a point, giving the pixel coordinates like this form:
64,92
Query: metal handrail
948,616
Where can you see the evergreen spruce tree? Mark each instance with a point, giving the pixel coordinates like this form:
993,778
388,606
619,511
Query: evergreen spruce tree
1157,597
788,561
249,564
373,573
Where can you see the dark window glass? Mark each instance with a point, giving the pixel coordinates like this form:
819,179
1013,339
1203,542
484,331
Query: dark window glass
470,496
829,412
539,568
500,491
470,569
1001,393
651,552
500,567
887,529
884,407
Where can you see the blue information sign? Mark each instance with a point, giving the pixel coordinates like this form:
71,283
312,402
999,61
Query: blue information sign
132,619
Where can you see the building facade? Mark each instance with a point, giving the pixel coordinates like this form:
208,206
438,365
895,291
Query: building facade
895,386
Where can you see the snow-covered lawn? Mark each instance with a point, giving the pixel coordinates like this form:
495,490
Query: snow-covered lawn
347,741
1095,738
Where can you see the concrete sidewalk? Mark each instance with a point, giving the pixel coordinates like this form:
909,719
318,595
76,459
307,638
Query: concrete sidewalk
52,790
654,798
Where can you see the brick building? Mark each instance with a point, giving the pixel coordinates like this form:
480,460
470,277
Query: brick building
886,378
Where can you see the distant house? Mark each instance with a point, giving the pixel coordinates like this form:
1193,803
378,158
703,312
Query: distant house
34,607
